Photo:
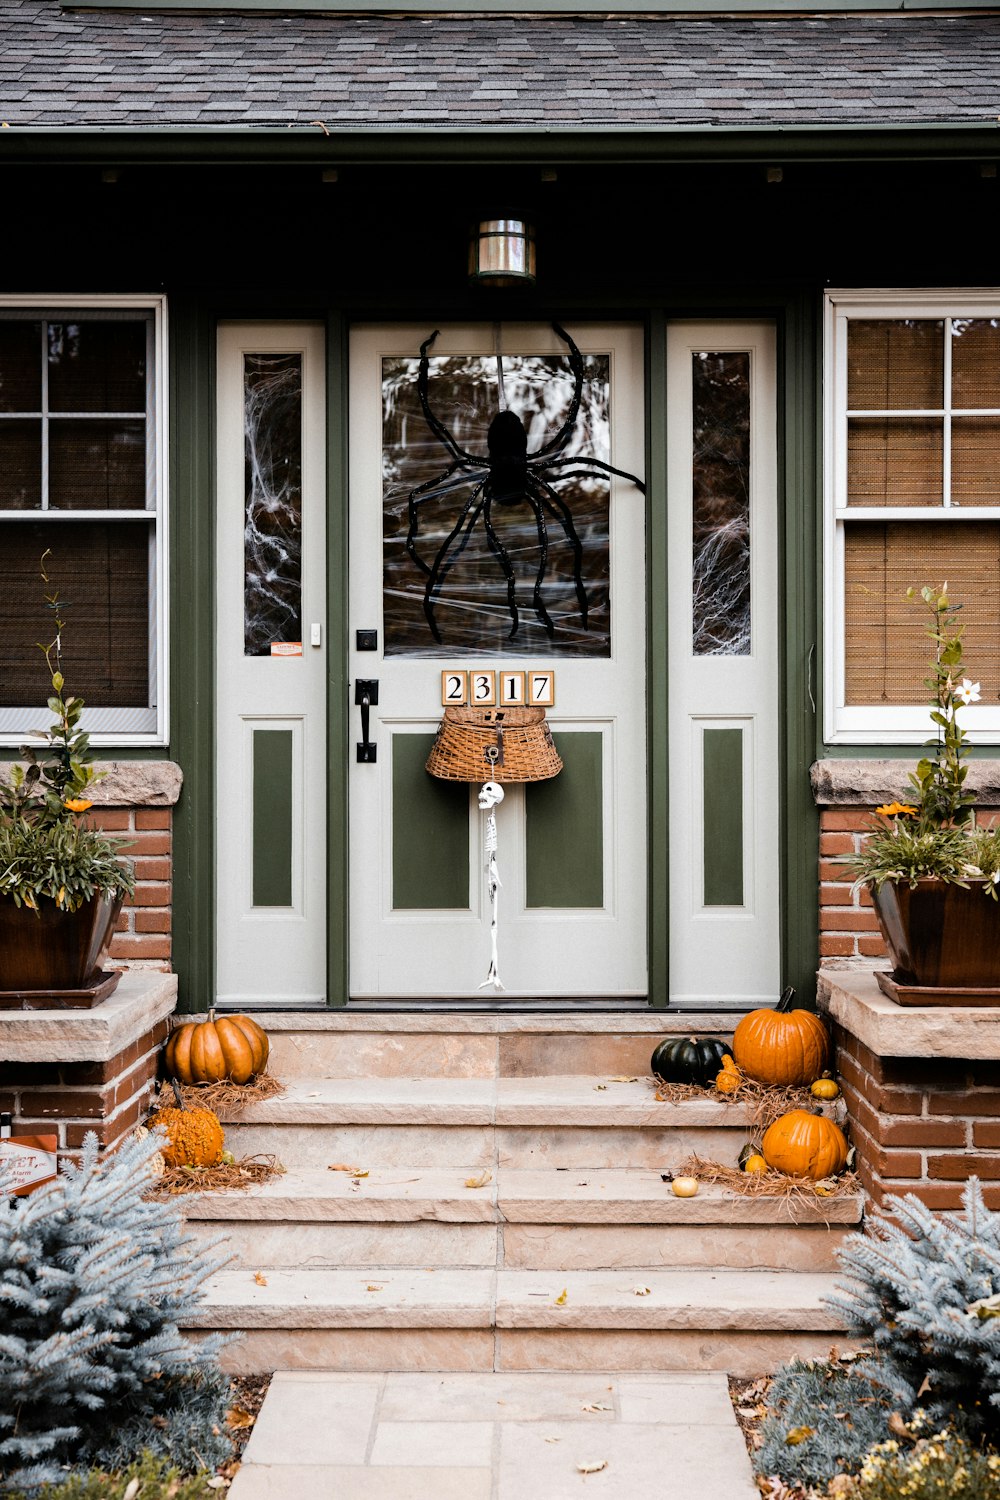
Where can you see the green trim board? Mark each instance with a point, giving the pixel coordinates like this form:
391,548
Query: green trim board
321,146
273,774
722,811
564,828
427,814
657,663
338,702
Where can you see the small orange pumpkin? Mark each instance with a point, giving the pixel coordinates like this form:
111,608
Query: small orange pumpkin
802,1144
781,1046
232,1047
728,1081
195,1136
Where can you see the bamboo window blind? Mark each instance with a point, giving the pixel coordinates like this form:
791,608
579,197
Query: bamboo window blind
923,431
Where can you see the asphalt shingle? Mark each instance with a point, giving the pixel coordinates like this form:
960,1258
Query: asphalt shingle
123,69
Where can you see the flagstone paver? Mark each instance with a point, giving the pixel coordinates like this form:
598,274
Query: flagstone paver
495,1437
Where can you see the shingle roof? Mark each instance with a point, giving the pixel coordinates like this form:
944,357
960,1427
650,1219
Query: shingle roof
130,70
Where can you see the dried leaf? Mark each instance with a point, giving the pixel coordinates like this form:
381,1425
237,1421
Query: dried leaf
623,1078
550,1440
898,1427
340,1166
237,1418
561,1299
260,1278
357,1172
596,1406
925,1386
599,1086
484,1177
371,1287
592,1466
797,1435
641,1291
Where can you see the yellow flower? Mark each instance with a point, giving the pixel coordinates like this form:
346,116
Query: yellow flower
896,810
77,804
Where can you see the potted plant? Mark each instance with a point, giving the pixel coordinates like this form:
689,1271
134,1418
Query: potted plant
933,876
61,882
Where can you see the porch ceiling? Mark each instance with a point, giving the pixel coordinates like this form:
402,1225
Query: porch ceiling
562,74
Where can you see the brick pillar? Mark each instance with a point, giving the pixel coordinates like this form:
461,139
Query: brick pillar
848,927
143,938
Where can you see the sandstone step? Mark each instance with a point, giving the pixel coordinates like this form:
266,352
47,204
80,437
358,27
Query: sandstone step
559,1121
528,1219
356,1044
514,1319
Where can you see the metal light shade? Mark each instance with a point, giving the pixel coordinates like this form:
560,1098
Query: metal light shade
502,253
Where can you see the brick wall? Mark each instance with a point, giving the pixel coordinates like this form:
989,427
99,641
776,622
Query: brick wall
920,1125
143,937
72,1098
848,927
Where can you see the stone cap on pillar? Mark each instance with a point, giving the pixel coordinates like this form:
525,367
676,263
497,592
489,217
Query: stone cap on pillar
853,999
143,999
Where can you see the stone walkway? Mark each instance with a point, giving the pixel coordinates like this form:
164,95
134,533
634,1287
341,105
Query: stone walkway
495,1437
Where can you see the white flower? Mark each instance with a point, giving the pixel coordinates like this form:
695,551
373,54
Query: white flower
967,691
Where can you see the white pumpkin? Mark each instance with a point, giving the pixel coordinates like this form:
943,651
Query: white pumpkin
156,1166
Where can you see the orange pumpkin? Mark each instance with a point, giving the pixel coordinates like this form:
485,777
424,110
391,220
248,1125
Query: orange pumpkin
802,1144
781,1046
195,1135
232,1047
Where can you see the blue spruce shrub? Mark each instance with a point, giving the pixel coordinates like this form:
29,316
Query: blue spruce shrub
94,1281
822,1420
925,1291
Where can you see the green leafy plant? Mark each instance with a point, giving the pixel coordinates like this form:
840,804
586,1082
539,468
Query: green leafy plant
45,850
944,1466
932,835
152,1478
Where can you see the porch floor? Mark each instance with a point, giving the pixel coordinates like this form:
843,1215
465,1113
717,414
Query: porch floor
412,1436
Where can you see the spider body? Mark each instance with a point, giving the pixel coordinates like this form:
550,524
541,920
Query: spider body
507,475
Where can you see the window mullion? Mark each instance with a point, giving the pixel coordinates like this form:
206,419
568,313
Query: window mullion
946,434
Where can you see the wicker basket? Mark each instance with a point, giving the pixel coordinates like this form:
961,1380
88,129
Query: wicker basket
494,744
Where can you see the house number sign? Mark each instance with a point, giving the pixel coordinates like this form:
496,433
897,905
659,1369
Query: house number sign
492,689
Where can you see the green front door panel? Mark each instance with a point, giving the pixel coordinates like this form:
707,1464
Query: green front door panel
430,832
564,828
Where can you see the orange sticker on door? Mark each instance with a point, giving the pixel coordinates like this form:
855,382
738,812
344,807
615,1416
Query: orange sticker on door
286,648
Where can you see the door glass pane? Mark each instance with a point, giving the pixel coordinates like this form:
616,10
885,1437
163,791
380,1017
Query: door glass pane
886,643
471,582
101,571
895,461
20,366
894,364
272,432
20,464
721,504
95,366
975,362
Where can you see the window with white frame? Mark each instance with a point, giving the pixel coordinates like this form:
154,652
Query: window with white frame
913,497
82,481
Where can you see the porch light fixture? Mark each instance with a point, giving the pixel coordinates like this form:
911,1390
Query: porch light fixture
502,253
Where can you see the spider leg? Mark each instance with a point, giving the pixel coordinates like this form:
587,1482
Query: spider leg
556,506
430,490
435,424
586,465
437,574
562,437
543,559
500,552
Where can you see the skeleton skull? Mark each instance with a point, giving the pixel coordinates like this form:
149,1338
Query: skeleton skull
490,795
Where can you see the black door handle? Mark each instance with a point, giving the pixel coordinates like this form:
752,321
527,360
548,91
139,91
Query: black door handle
365,695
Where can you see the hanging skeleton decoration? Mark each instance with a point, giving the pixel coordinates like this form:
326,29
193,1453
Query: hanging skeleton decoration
490,797
509,476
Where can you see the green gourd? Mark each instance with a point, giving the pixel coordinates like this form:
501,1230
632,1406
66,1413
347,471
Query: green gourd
688,1059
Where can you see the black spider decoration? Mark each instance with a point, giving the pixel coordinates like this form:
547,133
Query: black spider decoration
509,476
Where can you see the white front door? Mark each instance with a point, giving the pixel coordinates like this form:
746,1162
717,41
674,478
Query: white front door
723,653
270,677
572,853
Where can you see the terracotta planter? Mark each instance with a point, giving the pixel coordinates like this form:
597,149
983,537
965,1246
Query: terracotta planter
940,935
52,949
